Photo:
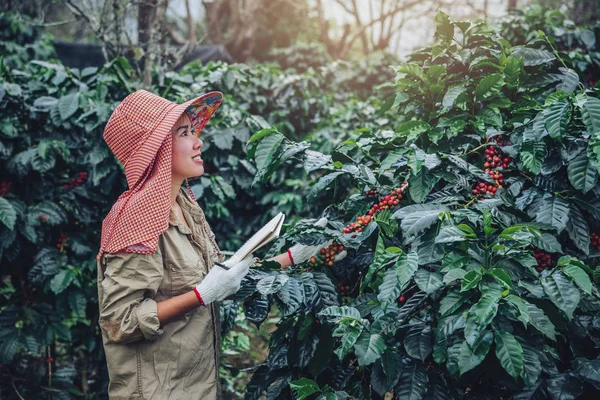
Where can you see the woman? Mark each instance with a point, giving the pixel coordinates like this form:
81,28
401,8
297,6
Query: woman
158,288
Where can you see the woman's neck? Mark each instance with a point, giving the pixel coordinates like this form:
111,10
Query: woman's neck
175,186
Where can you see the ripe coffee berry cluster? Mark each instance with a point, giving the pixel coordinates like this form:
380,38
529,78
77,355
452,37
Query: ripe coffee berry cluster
483,188
371,192
5,187
401,299
73,183
544,260
63,240
345,289
326,256
494,158
391,200
595,241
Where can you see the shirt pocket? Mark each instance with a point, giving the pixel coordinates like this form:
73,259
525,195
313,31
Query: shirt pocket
186,272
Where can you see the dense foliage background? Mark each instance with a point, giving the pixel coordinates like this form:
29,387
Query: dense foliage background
464,268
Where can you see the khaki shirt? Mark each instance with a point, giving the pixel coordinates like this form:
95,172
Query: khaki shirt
181,359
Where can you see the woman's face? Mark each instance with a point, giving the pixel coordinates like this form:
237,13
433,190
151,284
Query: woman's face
187,156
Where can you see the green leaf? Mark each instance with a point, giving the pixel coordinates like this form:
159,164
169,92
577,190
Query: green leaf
369,348
444,27
413,382
391,159
418,217
78,302
590,111
265,151
9,348
385,222
547,243
341,312
557,119
349,335
554,211
451,95
489,86
533,57
411,130
453,275
429,282
406,266
450,234
486,308
470,358
322,183
570,80
261,134
470,280
8,215
588,38
315,160
509,353
533,154
578,230
501,277
418,342
389,290
582,173
420,185
416,156
512,70
532,366
45,103
271,284
578,276
588,369
451,302
541,322
522,307
61,281
304,387
562,292
68,105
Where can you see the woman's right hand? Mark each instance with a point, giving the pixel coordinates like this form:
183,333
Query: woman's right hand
221,283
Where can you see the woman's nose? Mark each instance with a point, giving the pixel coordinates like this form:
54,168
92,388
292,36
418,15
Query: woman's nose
199,143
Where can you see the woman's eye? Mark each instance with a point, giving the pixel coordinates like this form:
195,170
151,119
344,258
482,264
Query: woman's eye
184,133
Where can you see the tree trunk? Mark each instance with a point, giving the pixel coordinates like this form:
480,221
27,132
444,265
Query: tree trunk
153,49
146,17
512,4
584,11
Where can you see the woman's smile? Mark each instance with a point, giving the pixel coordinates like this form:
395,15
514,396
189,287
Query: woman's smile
198,158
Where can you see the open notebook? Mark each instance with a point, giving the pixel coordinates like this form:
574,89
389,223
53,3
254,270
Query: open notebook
266,234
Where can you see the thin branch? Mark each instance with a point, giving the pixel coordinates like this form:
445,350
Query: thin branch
381,18
191,37
345,7
56,23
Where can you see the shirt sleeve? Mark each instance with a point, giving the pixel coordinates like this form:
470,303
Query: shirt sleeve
128,285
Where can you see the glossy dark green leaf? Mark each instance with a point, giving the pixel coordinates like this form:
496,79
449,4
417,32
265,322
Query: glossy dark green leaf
418,342
412,384
509,353
562,292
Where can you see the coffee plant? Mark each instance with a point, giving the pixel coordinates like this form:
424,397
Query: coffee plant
394,166
470,223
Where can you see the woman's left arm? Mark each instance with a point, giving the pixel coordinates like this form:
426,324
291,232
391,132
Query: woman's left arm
283,259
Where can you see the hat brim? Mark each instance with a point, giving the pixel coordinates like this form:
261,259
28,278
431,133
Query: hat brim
200,110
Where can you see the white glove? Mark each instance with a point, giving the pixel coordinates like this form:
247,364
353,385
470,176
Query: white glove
300,253
221,283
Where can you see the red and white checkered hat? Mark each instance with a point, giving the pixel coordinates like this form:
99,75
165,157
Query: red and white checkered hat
136,133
